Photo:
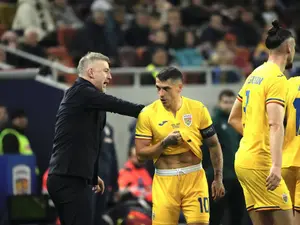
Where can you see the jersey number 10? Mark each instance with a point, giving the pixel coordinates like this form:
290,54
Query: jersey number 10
296,104
204,205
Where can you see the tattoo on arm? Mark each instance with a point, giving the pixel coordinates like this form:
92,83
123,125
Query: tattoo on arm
216,156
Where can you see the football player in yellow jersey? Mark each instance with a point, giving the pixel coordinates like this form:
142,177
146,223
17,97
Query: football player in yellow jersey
258,115
171,131
291,146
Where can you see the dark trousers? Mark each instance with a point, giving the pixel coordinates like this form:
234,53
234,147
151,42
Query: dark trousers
233,201
72,197
99,207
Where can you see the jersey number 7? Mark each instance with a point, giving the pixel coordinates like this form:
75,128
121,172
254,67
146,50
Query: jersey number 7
247,100
296,104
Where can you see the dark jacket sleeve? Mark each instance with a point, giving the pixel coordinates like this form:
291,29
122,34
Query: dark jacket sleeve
96,165
104,102
10,144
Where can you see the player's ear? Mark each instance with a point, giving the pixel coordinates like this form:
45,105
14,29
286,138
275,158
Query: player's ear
289,46
180,86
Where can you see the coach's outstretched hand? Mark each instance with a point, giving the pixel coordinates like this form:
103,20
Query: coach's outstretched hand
273,180
217,189
100,186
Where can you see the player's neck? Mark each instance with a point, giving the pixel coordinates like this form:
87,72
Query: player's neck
279,60
176,105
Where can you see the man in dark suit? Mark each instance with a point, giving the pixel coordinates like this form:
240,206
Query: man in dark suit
80,120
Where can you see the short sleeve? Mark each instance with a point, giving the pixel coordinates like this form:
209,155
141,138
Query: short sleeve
240,94
143,127
276,90
206,120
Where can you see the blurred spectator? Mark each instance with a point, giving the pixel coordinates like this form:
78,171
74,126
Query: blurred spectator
130,31
3,117
63,15
189,55
116,32
94,37
162,7
261,52
154,22
176,33
2,57
34,13
241,57
138,33
134,178
229,140
160,58
102,5
10,39
214,32
196,14
30,45
108,171
159,39
12,138
222,55
7,12
245,30
270,11
128,57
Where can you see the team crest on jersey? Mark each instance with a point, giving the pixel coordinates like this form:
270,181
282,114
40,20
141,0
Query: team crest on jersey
285,198
187,119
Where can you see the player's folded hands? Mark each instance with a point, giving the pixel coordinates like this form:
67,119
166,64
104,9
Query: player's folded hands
174,138
217,189
273,180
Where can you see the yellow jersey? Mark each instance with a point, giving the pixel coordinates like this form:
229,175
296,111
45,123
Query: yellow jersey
291,146
266,84
155,123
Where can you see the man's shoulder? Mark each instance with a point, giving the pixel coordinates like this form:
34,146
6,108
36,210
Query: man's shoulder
193,102
195,106
294,81
9,137
153,107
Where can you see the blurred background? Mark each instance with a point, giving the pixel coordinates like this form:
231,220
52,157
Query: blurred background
216,44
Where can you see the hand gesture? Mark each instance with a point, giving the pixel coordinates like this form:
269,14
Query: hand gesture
274,178
217,189
99,187
174,138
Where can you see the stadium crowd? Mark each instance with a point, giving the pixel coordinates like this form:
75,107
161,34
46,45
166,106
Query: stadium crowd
144,33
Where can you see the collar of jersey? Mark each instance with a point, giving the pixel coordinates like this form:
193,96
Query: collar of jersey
274,65
182,105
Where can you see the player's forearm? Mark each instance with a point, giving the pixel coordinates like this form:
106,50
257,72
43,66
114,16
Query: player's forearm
276,142
150,152
216,158
235,117
236,124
